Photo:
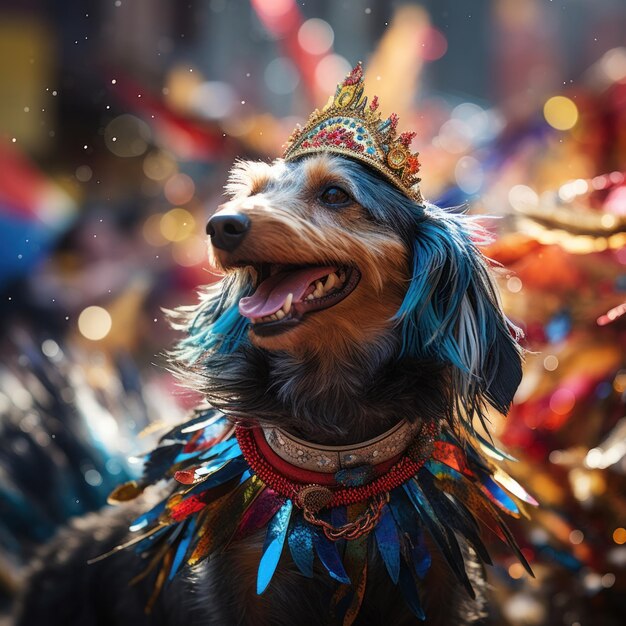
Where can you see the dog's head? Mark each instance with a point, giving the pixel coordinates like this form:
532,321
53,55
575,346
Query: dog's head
323,259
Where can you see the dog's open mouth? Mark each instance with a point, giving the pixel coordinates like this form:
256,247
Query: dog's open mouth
285,294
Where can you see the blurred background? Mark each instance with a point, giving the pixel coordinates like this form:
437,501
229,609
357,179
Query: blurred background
119,120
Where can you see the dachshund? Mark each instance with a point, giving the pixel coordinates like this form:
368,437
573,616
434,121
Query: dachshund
345,306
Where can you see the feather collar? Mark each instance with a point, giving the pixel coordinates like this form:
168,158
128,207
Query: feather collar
225,486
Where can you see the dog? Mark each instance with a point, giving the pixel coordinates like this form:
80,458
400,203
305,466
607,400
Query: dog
349,309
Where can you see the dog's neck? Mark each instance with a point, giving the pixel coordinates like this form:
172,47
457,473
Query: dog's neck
338,402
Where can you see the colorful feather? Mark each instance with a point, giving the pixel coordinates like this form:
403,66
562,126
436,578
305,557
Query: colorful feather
274,541
441,534
259,513
512,486
413,546
356,567
218,499
409,587
498,496
329,556
182,547
388,543
300,540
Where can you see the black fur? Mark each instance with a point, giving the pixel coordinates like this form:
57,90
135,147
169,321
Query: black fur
367,394
64,591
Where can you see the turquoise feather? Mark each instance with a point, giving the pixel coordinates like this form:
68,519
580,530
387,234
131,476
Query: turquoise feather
274,541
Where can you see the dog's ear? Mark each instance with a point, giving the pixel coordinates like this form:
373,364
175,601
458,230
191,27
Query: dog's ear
214,324
451,312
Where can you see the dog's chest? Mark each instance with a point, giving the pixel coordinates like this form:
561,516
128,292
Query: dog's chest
223,591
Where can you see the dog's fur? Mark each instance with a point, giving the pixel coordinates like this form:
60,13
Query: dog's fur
421,336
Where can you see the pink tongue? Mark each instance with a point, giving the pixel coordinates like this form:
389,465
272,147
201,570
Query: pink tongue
271,293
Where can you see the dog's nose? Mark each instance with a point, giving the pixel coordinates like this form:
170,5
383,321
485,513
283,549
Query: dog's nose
228,231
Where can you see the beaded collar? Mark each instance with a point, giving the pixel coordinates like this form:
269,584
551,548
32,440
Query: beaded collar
228,482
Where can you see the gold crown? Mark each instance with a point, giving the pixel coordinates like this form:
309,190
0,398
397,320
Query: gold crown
348,126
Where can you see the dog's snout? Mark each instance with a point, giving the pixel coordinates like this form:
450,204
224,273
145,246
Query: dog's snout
228,231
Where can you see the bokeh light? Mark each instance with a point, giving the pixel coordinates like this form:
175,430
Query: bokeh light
274,8
330,70
191,251
83,173
213,99
179,189
159,165
316,36
281,76
514,284
562,401
177,225
469,174
550,363
127,136
516,571
560,112
523,198
435,44
619,536
576,537
152,231
94,323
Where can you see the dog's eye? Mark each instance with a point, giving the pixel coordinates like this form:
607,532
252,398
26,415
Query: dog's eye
335,196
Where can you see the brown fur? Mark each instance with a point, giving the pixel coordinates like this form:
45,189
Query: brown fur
291,226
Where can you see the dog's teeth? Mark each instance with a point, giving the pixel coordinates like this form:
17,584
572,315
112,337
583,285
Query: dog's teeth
287,306
279,314
310,296
330,282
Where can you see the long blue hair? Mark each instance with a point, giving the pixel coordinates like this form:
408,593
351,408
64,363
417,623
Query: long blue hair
450,314
451,311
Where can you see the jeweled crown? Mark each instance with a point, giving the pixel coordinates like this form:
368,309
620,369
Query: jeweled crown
348,126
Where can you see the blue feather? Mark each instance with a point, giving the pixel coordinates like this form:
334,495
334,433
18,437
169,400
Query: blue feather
147,518
329,556
409,524
183,545
388,544
442,535
300,541
500,495
222,449
274,541
223,473
408,586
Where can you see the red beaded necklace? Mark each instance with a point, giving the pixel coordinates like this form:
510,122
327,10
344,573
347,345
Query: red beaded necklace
290,481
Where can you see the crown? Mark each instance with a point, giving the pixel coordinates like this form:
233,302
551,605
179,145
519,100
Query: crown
348,126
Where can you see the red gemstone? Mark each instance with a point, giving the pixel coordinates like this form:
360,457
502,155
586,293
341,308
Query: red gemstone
355,76
407,138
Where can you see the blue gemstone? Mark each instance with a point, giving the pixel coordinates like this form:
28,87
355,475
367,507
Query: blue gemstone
370,151
359,137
